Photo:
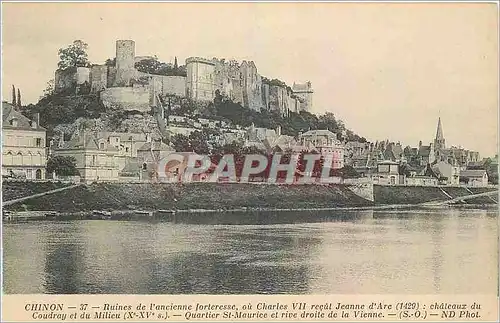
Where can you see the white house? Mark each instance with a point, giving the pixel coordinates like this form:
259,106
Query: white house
474,177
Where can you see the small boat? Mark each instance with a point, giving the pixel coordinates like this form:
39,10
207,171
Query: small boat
148,213
7,215
101,214
166,211
51,214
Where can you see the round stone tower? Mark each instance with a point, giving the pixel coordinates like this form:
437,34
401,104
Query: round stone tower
125,61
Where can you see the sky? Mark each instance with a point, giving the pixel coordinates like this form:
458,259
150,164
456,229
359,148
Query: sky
388,70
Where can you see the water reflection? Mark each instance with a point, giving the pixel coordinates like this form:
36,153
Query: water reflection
412,252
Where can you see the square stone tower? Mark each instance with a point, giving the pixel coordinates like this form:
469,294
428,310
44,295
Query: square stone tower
125,62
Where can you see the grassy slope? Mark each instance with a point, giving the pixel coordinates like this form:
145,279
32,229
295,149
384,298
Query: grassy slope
15,190
194,195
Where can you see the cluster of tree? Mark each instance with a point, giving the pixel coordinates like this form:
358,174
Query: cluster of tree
75,55
56,108
291,125
16,101
223,108
62,166
154,66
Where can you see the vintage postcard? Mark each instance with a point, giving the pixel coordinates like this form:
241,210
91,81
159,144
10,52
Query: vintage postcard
250,161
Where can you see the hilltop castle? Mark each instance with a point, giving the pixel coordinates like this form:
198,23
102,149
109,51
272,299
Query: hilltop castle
124,86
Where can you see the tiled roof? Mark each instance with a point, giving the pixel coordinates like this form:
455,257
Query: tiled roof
472,173
9,113
327,133
424,151
124,136
157,145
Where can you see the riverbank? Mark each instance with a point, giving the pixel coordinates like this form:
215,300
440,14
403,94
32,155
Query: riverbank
219,197
148,196
387,195
242,216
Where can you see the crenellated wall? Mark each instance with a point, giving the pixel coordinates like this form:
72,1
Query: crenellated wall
98,78
171,85
240,82
71,77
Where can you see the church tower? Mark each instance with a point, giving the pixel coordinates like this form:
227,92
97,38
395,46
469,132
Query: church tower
439,142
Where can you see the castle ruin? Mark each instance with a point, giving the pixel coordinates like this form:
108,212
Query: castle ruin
124,86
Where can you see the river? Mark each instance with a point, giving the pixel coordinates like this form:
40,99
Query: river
438,251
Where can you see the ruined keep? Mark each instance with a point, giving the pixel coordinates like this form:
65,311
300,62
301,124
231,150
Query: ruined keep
125,63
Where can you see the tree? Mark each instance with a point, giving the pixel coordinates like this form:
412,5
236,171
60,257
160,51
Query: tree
75,55
62,166
155,67
13,95
181,143
49,89
19,105
492,170
198,141
110,62
149,65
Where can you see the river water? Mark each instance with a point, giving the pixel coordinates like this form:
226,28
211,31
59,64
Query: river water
440,251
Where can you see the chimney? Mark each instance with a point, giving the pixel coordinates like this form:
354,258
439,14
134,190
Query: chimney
82,135
278,130
61,140
35,119
420,144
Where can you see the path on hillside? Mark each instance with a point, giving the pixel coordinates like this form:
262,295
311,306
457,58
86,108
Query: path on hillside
463,198
6,203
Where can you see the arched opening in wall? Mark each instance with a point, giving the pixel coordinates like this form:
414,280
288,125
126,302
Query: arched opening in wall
18,159
37,160
38,174
29,158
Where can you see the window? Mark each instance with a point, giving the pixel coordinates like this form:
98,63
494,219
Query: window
38,142
101,145
126,149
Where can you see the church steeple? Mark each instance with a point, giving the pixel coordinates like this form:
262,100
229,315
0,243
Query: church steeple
439,142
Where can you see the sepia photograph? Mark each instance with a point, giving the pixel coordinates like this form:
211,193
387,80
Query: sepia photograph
250,148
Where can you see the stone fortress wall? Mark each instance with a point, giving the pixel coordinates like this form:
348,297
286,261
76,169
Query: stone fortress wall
71,77
124,86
